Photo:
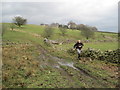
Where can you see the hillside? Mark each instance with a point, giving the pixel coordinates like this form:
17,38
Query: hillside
29,63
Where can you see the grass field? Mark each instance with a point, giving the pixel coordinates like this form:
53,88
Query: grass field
29,63
99,45
71,34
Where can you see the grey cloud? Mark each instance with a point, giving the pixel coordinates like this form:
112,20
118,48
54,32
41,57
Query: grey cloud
48,12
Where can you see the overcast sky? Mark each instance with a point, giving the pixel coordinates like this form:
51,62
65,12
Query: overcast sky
100,13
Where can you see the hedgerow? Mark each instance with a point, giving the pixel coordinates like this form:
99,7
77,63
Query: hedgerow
108,55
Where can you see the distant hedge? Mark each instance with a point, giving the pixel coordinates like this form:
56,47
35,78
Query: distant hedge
109,55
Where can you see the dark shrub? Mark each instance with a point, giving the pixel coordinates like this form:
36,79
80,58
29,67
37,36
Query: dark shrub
109,55
71,51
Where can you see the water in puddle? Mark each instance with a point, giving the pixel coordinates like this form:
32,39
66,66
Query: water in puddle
70,64
61,61
57,66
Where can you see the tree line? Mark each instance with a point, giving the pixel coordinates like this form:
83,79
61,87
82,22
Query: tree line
71,25
87,31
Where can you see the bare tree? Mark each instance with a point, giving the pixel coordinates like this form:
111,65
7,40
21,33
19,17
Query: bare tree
80,26
87,32
63,31
48,32
19,21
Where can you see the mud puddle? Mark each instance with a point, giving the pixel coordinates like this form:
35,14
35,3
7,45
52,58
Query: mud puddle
69,64
63,62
